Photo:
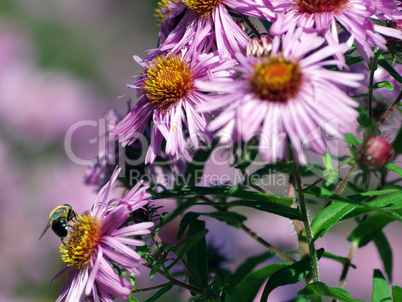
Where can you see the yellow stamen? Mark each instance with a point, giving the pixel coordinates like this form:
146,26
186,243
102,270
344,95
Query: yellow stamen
203,8
275,80
82,242
168,80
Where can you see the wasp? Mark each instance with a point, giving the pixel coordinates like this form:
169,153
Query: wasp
59,219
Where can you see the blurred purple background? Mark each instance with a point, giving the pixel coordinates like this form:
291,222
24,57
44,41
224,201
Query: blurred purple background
66,61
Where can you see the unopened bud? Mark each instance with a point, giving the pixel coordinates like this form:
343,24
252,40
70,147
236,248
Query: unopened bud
374,153
259,47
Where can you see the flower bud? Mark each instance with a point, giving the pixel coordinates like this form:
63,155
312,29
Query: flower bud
374,153
259,47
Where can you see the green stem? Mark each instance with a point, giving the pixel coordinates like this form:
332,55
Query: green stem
254,235
190,273
140,290
373,67
175,281
306,222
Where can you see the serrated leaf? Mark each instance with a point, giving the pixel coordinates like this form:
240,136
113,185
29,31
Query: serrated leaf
368,229
289,275
383,84
247,266
380,288
160,293
248,288
385,251
396,293
321,289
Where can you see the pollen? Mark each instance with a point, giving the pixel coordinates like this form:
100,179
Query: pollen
163,11
203,8
320,6
275,80
82,243
168,80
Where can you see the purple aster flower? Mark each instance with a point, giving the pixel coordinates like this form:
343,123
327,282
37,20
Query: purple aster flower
353,15
98,238
285,94
168,96
208,22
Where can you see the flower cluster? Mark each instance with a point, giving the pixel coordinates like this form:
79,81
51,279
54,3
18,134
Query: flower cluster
203,68
284,85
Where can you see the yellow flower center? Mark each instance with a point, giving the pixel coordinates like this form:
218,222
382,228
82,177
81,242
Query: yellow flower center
275,80
204,8
163,5
320,6
168,80
83,241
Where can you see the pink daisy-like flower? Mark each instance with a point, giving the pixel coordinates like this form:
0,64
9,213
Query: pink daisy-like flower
353,15
208,22
286,93
98,238
168,96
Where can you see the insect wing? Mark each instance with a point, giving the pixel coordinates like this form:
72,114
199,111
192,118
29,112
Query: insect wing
44,231
57,213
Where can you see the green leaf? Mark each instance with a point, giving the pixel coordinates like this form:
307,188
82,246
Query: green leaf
380,288
132,299
393,168
385,251
188,243
154,270
396,293
320,289
289,275
352,139
368,229
231,218
260,201
197,255
247,266
328,217
337,258
391,201
397,144
224,192
248,288
331,176
160,293
384,64
269,207
383,84
365,121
